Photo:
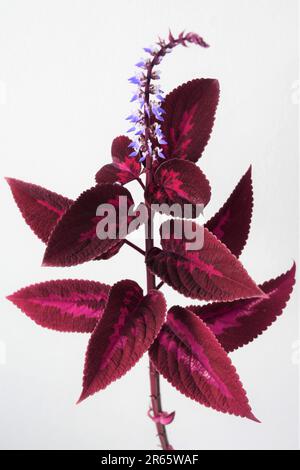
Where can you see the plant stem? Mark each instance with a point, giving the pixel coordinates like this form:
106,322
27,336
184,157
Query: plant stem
154,375
135,247
149,151
141,183
159,285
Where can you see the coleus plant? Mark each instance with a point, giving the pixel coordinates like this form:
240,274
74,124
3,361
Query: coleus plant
188,345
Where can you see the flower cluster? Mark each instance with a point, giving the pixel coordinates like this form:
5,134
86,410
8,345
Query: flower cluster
146,120
149,114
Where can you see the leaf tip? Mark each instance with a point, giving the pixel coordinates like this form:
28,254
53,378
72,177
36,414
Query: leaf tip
47,261
84,394
293,268
252,417
80,399
10,297
258,292
10,181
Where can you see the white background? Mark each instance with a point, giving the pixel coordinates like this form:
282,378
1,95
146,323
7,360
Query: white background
64,95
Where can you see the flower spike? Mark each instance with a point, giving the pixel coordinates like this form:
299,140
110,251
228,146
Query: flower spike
150,96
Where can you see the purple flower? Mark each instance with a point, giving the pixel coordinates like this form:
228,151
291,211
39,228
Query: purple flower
160,153
135,80
133,118
159,109
140,64
134,145
141,102
157,114
147,110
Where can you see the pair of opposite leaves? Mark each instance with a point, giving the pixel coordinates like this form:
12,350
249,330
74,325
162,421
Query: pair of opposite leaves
185,351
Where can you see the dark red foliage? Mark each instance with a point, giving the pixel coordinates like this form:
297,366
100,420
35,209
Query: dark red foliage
190,113
128,327
236,324
178,182
211,272
74,239
63,305
40,207
124,168
114,250
232,222
190,357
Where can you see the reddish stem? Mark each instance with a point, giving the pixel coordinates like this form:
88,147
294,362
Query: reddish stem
165,47
135,247
141,183
154,375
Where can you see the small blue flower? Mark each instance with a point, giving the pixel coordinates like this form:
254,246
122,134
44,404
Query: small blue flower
143,158
147,110
134,145
133,154
135,80
157,114
134,98
161,110
132,118
132,129
140,64
160,154
141,103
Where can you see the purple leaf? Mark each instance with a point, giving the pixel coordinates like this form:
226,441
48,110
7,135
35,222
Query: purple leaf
209,273
74,239
63,305
124,168
114,250
127,329
232,223
190,113
40,207
178,182
238,323
189,356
